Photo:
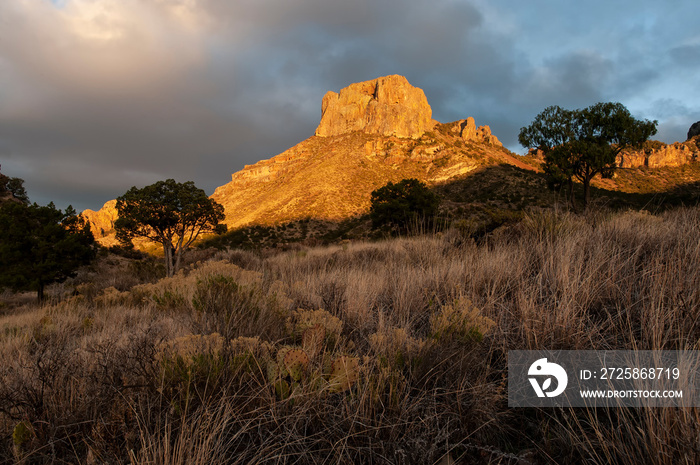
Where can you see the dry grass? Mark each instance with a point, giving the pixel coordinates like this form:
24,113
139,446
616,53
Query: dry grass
102,376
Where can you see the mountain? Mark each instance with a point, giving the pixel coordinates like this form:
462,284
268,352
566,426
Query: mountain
370,133
382,130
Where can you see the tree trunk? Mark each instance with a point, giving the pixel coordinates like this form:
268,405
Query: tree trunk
572,197
178,253
40,293
168,253
178,256
586,192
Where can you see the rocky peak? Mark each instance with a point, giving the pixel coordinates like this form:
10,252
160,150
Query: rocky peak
469,132
386,106
694,130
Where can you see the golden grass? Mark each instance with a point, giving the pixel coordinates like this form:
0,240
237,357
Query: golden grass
424,324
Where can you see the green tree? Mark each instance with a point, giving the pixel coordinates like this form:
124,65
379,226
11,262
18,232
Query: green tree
581,144
399,205
169,213
41,245
12,188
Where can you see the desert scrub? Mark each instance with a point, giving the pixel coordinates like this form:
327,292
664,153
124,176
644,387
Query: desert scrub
220,304
394,348
301,322
424,386
196,369
293,373
180,289
221,297
460,321
74,386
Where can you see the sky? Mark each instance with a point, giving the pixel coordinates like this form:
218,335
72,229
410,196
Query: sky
97,96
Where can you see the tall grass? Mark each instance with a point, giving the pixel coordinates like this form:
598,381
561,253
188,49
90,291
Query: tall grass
178,370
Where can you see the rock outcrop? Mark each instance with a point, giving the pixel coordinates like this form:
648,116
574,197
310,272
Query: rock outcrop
694,130
102,222
470,133
656,155
386,106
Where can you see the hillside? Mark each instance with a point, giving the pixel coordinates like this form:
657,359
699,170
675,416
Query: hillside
331,178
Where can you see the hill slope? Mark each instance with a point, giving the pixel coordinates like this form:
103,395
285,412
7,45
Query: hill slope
331,178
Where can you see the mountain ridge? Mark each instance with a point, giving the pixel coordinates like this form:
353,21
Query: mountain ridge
371,133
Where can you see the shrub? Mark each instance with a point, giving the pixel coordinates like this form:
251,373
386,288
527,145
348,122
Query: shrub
461,321
402,205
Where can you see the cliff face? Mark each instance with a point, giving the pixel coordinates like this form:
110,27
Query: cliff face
386,106
656,154
102,223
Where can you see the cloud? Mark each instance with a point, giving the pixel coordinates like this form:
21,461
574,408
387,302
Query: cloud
97,89
100,95
686,55
675,118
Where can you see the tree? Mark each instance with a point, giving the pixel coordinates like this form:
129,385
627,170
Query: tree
401,204
581,144
169,213
41,245
12,188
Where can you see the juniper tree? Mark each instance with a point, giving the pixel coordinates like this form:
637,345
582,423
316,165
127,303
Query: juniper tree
41,245
400,204
581,144
169,213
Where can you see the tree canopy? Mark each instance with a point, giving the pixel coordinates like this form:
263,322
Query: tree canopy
41,245
169,213
12,188
580,144
400,204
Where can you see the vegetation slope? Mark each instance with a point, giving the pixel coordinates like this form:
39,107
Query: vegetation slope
406,340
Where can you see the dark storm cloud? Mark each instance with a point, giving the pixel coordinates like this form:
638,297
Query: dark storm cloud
676,115
100,95
686,55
